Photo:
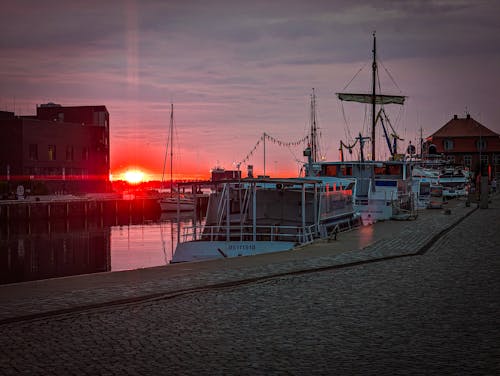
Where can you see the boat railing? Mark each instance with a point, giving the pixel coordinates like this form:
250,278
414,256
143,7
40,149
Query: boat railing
296,234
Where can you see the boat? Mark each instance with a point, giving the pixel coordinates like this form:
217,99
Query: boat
177,201
454,182
261,215
381,189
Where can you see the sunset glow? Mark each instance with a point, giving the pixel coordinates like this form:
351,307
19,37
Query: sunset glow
134,176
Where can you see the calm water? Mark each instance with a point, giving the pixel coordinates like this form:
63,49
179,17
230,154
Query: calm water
40,250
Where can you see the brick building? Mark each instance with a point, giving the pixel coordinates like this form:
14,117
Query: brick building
60,149
466,142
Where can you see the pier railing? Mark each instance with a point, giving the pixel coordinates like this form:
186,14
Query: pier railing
296,234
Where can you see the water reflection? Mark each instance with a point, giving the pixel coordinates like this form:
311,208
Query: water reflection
40,250
365,236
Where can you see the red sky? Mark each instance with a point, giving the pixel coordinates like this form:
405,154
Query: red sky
236,69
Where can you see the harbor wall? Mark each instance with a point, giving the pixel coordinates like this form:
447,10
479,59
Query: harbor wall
21,210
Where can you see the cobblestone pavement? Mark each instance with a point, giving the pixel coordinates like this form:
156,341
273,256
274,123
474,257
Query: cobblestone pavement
378,242
432,313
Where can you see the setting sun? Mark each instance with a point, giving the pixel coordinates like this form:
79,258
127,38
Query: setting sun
133,176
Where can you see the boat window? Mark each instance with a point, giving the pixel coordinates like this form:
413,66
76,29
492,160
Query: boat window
330,170
346,170
425,189
395,170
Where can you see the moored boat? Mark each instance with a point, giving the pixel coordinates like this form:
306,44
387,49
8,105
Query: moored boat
176,201
253,216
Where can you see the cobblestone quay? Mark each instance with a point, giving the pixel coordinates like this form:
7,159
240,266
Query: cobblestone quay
427,308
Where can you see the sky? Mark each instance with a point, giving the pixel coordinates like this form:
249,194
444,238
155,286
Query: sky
236,69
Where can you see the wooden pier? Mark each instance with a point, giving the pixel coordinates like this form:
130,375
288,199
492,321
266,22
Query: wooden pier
20,210
66,208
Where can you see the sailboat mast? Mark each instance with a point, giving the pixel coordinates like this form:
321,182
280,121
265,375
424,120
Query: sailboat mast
171,146
374,81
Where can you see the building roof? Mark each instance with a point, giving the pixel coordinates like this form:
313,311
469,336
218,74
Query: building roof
463,127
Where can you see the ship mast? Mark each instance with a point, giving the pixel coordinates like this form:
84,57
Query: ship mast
314,142
374,97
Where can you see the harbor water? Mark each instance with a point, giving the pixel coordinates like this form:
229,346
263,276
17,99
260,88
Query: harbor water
48,249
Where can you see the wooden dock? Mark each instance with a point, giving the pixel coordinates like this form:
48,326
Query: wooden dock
46,209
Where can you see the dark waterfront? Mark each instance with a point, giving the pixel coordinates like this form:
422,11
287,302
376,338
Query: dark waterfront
420,298
33,250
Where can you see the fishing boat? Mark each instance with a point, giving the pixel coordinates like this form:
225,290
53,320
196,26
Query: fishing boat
262,215
381,189
177,201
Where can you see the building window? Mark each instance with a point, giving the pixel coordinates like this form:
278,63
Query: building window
484,160
496,159
33,152
52,152
100,119
450,158
69,153
448,144
85,154
467,160
481,145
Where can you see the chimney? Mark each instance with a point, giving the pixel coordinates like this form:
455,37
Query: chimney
468,116
455,117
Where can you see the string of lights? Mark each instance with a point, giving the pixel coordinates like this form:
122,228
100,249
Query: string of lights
275,141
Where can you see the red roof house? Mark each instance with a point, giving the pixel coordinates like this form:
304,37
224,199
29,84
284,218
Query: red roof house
466,142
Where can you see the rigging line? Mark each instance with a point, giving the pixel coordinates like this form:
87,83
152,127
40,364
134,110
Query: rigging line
399,118
365,120
347,131
165,159
390,76
352,79
294,156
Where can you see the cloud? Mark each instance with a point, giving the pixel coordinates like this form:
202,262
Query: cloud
236,68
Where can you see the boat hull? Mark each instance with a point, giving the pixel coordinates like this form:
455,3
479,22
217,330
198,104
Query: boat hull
207,250
173,205
373,211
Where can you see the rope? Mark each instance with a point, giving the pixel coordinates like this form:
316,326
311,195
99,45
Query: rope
352,79
390,76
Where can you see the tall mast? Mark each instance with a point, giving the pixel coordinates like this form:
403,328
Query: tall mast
374,81
373,98
171,146
314,143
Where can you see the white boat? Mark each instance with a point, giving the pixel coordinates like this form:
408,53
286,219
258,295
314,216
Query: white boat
253,216
380,189
454,182
175,201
